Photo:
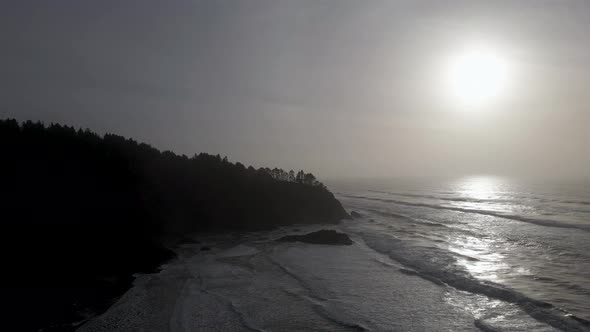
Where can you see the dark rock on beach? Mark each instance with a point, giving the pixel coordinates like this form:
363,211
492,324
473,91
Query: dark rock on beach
319,237
355,214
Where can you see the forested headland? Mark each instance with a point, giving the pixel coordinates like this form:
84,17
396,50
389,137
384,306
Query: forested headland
81,209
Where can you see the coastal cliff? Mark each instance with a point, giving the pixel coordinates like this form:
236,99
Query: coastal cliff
86,211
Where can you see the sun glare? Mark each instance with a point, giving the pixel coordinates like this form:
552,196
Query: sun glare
477,76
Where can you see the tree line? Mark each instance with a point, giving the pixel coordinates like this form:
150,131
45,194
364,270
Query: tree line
290,176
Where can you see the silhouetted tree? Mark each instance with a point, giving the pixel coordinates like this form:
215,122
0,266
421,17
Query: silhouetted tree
300,177
309,179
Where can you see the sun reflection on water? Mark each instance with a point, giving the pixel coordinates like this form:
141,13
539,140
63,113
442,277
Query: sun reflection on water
479,257
480,187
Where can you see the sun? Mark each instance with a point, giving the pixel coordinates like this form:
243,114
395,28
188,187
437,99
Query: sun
477,76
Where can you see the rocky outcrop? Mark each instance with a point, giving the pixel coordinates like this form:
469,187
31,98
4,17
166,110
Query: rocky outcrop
355,215
320,237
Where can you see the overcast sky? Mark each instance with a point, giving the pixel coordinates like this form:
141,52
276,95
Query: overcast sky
340,88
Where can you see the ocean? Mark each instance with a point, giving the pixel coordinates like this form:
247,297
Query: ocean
468,254
528,236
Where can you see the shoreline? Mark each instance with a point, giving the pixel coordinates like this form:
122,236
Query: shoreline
257,283
96,295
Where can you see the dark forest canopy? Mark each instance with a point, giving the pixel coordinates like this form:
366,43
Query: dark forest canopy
85,206
118,173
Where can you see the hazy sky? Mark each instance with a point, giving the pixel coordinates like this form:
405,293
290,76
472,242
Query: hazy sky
340,88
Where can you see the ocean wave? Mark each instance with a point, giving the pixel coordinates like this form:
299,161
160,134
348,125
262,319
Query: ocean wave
244,319
321,310
541,222
299,280
316,301
451,199
484,326
576,202
512,199
558,282
440,266
423,276
417,223
406,218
